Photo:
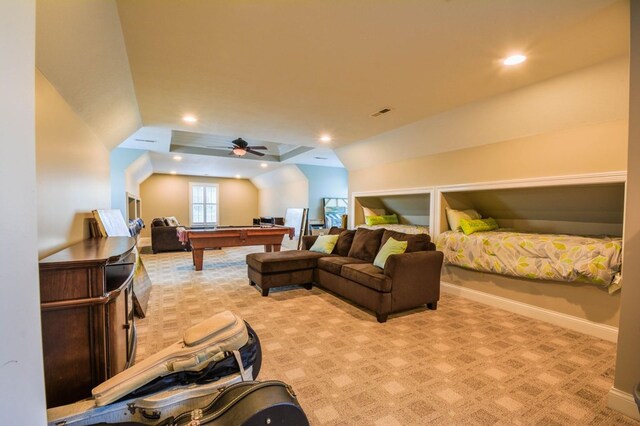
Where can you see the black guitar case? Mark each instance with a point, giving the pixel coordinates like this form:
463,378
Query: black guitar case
271,402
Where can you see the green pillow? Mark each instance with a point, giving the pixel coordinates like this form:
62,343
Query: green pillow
325,244
469,226
381,220
390,247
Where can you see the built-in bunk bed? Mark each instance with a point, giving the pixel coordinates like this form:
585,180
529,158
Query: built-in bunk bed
408,211
553,243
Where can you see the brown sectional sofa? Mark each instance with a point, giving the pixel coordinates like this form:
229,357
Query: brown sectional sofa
408,280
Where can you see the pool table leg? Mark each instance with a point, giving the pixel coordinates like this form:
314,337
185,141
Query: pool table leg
267,248
197,255
276,247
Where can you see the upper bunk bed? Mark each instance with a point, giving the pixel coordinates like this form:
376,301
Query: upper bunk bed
408,211
567,232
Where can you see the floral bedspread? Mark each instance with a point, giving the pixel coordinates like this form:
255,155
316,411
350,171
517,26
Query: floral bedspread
536,256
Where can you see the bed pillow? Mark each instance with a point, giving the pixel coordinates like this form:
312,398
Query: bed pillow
325,244
171,221
373,212
366,243
469,226
381,220
345,240
415,242
390,247
455,216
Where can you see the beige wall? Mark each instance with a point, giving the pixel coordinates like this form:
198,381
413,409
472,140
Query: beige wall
21,376
628,361
598,147
168,195
280,189
72,171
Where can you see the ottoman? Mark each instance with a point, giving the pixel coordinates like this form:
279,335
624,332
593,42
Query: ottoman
283,268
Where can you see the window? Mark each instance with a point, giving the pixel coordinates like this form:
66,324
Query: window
203,201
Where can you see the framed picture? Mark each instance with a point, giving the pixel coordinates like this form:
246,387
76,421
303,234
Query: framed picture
334,208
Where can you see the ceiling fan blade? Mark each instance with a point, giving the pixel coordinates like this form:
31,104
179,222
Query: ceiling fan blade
219,147
255,152
257,147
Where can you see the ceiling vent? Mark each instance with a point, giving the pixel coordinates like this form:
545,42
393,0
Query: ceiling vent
380,112
145,140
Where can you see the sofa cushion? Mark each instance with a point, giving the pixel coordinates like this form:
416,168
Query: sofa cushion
334,264
283,261
171,221
415,242
158,221
366,243
334,230
367,275
344,243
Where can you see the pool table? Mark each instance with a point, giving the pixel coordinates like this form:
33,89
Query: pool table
234,236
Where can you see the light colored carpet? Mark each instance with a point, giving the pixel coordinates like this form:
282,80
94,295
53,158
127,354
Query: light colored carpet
464,364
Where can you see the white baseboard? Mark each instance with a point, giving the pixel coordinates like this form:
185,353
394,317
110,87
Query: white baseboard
624,403
602,331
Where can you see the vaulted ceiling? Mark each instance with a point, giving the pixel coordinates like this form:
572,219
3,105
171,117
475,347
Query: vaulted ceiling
287,71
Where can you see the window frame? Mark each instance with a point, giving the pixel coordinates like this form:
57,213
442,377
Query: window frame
216,203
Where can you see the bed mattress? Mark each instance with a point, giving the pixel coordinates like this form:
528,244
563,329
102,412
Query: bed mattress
536,256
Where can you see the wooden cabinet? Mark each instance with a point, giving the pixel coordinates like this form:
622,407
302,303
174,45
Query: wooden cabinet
88,329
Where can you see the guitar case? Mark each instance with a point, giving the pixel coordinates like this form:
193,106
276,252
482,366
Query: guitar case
271,402
213,355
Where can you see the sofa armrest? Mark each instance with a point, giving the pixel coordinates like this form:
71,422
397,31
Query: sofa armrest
308,240
415,277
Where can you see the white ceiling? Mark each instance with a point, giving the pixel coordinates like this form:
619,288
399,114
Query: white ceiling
287,71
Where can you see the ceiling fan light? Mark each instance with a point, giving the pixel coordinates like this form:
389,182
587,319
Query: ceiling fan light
239,151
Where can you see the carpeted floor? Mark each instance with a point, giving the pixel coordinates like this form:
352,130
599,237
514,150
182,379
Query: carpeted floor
464,364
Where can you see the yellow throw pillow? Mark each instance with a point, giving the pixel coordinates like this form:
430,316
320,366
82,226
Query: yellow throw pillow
325,244
390,247
478,225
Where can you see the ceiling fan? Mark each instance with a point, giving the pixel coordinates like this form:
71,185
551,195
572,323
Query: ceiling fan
241,147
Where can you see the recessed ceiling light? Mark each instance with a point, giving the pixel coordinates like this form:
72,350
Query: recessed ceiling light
325,138
264,165
173,172
189,119
514,60
177,157
238,176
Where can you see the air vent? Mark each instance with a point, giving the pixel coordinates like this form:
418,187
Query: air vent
380,112
145,140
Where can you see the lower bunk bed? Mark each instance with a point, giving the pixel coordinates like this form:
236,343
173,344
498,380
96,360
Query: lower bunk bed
552,257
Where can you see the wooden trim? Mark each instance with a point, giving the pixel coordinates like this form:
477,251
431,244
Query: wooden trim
567,180
623,402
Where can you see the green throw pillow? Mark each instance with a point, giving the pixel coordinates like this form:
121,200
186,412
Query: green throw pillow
390,247
325,244
469,226
381,220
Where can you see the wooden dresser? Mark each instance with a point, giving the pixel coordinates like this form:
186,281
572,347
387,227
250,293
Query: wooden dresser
88,330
